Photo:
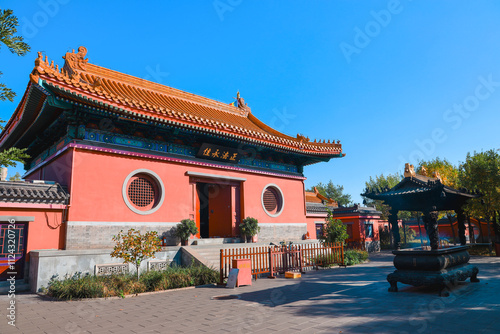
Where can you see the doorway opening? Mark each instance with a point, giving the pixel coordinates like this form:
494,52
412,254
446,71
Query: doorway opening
216,205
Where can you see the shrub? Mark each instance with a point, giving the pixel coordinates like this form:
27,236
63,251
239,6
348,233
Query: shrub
479,250
410,235
87,286
385,237
185,229
76,286
249,227
334,230
154,281
354,256
133,247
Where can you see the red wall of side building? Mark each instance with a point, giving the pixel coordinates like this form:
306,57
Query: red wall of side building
311,224
446,232
356,224
46,231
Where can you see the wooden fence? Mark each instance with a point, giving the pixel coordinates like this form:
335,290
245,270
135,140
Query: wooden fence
271,259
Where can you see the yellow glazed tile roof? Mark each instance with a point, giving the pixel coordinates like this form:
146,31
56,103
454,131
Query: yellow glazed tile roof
142,98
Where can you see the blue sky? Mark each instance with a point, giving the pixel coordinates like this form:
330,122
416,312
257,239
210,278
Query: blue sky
394,81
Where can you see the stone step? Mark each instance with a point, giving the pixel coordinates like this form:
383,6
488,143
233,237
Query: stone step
209,251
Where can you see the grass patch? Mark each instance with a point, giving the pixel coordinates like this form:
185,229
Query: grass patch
89,286
325,260
354,256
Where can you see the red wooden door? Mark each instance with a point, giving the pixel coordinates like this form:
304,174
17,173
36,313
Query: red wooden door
220,222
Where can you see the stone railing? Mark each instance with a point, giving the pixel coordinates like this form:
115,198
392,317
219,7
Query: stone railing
111,269
158,265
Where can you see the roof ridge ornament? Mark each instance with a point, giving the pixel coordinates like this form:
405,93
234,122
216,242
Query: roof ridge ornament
409,170
76,60
240,102
302,138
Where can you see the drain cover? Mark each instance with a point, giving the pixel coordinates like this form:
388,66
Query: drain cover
226,297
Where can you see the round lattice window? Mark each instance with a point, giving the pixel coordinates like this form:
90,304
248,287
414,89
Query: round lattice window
272,200
143,191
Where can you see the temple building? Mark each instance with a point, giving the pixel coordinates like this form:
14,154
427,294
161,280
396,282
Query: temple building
136,154
362,223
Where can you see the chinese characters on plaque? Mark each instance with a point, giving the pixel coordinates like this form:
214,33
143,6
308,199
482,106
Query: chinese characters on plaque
219,153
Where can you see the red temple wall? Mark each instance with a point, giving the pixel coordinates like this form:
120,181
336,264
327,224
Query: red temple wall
96,193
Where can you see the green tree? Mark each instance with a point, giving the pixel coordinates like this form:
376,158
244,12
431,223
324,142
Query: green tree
334,230
481,171
448,172
133,247
16,177
335,192
16,45
381,183
449,177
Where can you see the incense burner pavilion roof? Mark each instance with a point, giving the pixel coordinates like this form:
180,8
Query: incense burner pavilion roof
138,99
416,192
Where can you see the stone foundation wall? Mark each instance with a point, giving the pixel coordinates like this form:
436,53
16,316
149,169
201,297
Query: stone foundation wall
99,235
281,231
46,263
372,246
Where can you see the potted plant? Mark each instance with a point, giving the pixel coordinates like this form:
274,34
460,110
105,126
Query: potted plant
249,228
185,229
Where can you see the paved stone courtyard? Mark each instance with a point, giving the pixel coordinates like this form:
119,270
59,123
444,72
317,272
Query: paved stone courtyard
352,300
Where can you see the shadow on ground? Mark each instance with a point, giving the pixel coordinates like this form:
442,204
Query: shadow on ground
357,300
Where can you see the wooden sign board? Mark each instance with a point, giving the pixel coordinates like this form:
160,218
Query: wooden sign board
232,278
219,153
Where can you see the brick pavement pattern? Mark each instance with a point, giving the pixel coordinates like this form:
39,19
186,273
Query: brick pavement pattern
352,300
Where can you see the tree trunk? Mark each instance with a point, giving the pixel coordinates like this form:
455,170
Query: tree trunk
420,231
393,221
461,226
488,221
496,226
137,270
391,242
404,232
472,237
452,228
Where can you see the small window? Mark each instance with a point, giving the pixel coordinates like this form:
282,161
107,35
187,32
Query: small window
368,230
319,230
143,191
272,200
